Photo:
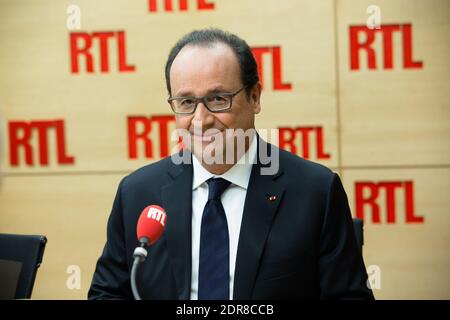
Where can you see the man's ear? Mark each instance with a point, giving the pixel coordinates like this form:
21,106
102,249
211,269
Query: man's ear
255,98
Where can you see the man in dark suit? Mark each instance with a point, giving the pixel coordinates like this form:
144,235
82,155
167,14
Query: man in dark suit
233,231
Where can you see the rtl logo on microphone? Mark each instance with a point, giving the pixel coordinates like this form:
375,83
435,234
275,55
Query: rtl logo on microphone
387,32
157,214
31,139
378,201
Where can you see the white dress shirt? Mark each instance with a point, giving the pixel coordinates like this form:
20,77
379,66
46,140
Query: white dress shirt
232,199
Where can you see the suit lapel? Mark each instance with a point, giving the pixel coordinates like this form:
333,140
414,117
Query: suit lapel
177,199
264,194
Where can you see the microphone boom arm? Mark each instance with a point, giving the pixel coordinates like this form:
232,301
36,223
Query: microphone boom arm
139,255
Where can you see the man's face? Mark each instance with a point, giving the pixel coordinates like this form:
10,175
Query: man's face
201,71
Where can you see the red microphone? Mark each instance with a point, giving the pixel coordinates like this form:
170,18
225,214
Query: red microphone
151,224
150,227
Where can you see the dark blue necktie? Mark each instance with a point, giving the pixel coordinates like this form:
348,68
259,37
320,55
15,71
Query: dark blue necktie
214,264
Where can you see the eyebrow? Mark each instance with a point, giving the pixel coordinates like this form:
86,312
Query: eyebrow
210,92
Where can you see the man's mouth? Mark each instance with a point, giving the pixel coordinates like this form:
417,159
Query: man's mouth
207,136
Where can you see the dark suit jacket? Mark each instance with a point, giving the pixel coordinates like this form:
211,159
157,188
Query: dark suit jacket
300,246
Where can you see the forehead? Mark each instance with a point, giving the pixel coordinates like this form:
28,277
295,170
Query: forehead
198,67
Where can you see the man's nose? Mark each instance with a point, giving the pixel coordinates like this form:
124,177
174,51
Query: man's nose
202,114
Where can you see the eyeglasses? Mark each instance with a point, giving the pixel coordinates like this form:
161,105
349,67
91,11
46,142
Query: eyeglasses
214,103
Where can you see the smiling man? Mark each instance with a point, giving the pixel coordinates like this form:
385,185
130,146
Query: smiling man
232,231
230,101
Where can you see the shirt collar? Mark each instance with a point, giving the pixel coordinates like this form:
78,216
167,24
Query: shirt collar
239,174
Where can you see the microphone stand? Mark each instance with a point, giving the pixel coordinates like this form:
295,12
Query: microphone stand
139,255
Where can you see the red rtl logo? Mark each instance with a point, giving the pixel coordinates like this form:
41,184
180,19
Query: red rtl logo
182,5
387,31
20,135
275,52
81,44
136,135
367,196
289,139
